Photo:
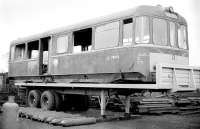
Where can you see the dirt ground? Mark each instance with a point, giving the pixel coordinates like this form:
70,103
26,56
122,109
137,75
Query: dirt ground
141,122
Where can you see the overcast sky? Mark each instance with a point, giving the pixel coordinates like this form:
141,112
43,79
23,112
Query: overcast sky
20,18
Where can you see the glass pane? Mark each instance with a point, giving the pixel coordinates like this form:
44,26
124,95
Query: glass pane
142,30
182,37
159,31
127,32
107,35
62,44
172,34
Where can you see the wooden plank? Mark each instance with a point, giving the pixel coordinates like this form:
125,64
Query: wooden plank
181,75
156,99
154,106
164,102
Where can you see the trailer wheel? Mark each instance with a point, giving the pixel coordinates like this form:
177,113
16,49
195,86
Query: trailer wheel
58,101
34,98
47,100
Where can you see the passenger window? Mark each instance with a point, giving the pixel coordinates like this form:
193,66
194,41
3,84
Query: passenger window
127,31
82,40
142,30
182,39
19,51
172,34
159,31
107,36
62,44
33,49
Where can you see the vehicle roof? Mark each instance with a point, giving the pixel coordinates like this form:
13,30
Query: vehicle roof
137,11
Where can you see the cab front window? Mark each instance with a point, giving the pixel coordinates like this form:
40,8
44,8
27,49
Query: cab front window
172,29
159,31
142,30
182,37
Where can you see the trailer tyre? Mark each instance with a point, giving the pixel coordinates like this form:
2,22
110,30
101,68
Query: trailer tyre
58,101
34,98
47,100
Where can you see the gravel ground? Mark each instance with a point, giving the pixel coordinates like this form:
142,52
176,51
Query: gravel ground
143,122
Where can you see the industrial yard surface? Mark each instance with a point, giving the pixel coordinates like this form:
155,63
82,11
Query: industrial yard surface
189,121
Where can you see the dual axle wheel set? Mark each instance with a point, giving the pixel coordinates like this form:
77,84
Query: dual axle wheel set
51,100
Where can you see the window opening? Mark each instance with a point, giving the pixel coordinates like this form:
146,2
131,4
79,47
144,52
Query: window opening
19,51
33,49
44,55
142,30
159,31
82,40
127,31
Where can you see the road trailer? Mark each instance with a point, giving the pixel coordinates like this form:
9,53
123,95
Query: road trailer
138,50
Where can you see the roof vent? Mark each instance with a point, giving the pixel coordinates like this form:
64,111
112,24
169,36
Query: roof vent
169,9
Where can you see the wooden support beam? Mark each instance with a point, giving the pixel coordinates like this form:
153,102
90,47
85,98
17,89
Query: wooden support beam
192,80
127,105
175,86
103,103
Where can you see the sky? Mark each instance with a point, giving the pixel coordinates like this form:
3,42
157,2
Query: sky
21,18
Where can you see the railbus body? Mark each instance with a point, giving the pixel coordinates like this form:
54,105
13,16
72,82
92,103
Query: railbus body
145,48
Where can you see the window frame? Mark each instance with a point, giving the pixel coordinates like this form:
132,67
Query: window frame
122,31
27,51
175,34
91,46
186,36
149,29
12,53
167,32
119,33
67,47
14,47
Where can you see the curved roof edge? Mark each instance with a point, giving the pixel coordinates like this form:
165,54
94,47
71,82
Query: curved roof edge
137,11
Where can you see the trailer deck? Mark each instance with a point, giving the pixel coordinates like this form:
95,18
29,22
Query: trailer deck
168,77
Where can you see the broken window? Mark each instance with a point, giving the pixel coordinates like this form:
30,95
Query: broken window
62,44
20,51
107,36
127,31
33,49
82,40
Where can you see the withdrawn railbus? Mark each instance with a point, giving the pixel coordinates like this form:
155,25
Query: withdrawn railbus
116,54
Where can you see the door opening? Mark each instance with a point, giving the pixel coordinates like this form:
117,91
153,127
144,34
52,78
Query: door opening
44,55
